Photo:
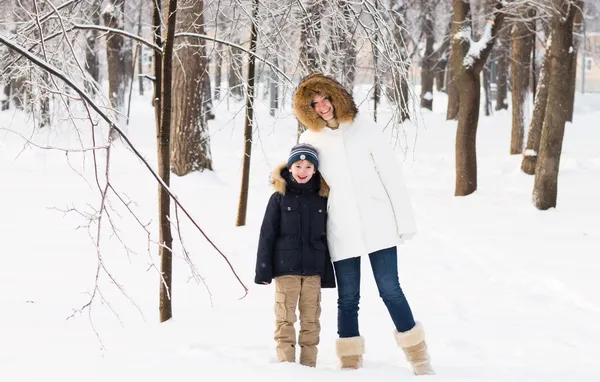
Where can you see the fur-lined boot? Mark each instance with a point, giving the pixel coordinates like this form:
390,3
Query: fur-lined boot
413,344
350,352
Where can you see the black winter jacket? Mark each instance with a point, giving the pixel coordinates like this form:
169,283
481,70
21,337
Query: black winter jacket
293,233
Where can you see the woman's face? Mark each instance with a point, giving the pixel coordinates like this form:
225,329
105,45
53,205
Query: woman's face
322,106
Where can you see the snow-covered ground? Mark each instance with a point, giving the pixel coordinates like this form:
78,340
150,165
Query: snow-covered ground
505,292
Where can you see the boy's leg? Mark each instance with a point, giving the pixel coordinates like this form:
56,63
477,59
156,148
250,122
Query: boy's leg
287,290
310,326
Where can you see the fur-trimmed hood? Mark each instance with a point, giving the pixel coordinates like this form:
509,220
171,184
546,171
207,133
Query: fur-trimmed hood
317,83
279,183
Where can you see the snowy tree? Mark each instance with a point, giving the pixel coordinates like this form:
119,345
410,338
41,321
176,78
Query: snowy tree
468,59
190,141
545,189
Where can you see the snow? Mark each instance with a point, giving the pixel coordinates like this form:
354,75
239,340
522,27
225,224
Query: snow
476,47
530,153
505,292
428,96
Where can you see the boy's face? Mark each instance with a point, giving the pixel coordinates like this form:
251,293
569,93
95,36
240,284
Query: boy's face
302,171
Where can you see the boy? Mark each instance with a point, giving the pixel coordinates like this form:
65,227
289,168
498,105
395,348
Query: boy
292,249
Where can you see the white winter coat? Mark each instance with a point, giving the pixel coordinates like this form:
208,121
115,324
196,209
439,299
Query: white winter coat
369,207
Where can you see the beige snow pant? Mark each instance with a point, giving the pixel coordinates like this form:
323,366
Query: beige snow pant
304,292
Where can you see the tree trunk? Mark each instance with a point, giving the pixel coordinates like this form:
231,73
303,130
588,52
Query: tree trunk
243,204
165,238
349,47
218,69
519,74
399,94
428,61
207,99
141,55
44,99
577,37
466,133
236,86
6,98
273,89
190,143
451,86
91,53
534,134
441,65
115,56
545,187
487,88
467,69
310,33
503,54
20,91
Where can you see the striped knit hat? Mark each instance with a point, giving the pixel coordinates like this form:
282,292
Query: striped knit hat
303,151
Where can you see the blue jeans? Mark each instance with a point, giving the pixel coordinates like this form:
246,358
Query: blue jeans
384,264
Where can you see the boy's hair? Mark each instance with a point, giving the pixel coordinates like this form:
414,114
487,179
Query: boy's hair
303,151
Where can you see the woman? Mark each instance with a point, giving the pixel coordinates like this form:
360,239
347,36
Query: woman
369,212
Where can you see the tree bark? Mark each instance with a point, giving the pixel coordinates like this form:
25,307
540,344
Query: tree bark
577,37
467,69
6,98
91,53
310,34
235,83
428,61
487,88
545,188
399,94
243,204
503,55
115,56
218,70
140,59
441,64
519,74
273,89
190,142
165,238
534,134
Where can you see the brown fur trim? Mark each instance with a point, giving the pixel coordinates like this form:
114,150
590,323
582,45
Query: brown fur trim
279,183
346,347
324,190
317,83
410,337
277,180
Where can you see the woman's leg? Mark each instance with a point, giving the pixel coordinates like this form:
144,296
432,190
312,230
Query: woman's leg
347,273
385,269
409,334
350,346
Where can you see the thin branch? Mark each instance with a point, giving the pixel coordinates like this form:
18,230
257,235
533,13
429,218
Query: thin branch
119,32
224,42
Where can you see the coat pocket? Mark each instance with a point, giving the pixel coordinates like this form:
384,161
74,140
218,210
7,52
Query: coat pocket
319,245
288,242
290,217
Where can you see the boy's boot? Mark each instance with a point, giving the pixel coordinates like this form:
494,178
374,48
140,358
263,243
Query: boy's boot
413,344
